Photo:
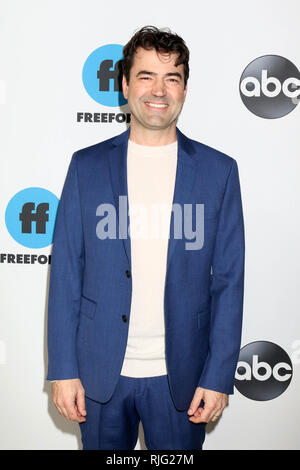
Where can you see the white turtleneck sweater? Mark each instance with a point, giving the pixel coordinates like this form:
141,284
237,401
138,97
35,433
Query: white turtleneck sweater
151,172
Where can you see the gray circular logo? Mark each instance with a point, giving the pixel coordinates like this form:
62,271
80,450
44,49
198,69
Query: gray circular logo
264,371
270,86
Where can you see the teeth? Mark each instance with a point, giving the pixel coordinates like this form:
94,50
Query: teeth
155,105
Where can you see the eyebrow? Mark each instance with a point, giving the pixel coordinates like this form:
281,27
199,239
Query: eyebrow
169,74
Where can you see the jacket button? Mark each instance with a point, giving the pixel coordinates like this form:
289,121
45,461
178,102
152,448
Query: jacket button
124,318
128,273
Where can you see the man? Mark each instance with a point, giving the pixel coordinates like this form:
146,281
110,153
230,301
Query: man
147,328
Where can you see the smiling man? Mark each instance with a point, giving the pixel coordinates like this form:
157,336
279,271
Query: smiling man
142,328
155,92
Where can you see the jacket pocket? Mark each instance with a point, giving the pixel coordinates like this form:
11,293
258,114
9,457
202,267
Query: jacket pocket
203,318
87,307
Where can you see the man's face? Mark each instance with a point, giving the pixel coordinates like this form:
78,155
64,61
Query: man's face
155,92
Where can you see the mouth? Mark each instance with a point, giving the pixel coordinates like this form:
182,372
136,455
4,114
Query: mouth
156,106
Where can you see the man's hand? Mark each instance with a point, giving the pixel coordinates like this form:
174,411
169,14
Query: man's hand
68,397
214,404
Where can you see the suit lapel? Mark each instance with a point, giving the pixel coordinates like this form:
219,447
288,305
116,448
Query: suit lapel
184,182
118,172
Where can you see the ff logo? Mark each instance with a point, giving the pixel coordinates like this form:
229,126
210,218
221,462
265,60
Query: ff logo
30,217
102,75
270,86
264,371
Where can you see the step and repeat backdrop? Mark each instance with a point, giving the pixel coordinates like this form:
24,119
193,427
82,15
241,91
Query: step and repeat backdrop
59,92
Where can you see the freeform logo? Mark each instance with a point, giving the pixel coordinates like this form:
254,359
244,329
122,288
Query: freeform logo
264,371
270,86
102,75
30,217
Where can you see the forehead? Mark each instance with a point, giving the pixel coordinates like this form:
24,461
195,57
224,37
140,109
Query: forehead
154,60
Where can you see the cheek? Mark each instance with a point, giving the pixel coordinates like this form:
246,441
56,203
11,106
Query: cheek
176,96
136,94
180,97
140,89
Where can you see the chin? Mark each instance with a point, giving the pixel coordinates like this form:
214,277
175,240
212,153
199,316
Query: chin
156,125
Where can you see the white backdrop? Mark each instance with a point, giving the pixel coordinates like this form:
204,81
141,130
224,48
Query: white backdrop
43,48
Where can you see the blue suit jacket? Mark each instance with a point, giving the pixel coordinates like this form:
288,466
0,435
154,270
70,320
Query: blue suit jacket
90,291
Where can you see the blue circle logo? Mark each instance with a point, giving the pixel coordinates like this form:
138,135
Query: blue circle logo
30,217
102,75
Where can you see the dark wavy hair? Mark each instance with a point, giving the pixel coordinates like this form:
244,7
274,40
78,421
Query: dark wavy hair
162,40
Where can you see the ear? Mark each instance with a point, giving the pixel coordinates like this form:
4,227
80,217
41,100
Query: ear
185,90
125,87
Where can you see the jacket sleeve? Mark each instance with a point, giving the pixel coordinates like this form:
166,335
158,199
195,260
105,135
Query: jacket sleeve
227,291
67,261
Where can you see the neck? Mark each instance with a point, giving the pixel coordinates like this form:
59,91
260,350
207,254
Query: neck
152,137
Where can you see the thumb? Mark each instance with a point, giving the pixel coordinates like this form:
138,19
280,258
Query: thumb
195,401
81,402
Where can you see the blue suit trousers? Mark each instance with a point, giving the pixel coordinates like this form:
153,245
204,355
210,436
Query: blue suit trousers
114,425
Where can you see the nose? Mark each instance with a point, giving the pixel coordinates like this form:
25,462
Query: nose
158,87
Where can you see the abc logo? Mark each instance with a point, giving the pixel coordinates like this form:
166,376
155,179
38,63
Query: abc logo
30,217
270,86
102,75
264,371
